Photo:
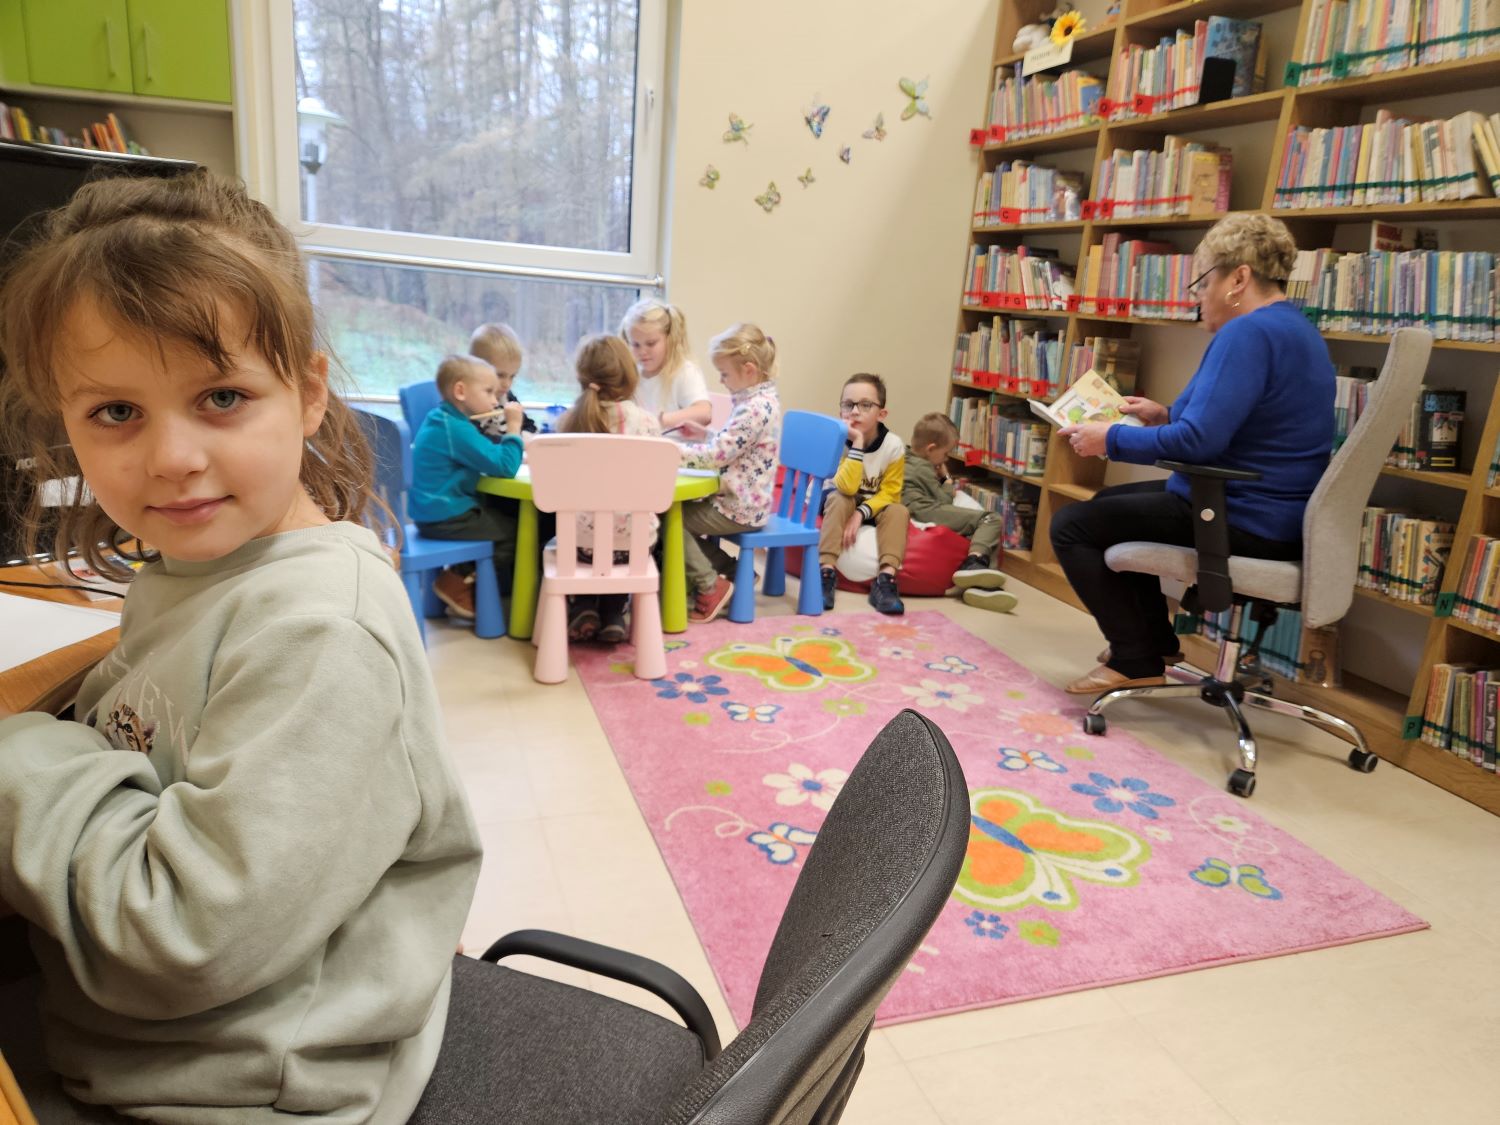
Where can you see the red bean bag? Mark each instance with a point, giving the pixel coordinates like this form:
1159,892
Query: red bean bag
932,555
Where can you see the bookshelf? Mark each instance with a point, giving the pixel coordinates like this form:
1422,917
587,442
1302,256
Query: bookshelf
1255,127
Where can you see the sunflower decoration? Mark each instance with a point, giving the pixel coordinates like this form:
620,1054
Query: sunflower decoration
1068,25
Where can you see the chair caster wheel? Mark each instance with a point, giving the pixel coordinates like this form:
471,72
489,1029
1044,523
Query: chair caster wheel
1362,760
1094,724
1242,783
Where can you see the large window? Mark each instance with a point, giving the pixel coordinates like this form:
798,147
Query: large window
454,162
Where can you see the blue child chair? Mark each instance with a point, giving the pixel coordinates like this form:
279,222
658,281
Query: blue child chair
812,445
422,559
417,401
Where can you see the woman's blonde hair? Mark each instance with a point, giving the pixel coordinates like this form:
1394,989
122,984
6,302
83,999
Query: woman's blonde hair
669,321
607,374
1247,238
169,260
745,343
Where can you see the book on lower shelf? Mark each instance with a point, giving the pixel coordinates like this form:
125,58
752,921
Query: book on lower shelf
1015,503
1116,359
1000,435
1459,714
1475,593
1451,293
1182,178
1024,278
1020,192
1280,643
1136,277
1402,556
100,136
1012,355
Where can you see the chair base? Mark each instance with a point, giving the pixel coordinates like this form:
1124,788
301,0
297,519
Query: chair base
1229,690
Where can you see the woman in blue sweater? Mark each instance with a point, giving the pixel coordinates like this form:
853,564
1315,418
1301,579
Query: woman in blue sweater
1262,400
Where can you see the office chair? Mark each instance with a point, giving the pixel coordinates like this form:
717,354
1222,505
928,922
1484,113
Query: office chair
882,868
1322,584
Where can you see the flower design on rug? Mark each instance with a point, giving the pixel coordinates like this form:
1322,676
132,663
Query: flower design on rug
799,784
983,925
1079,753
794,663
844,708
955,665
718,788
1247,876
1013,759
1039,933
684,685
897,652
1047,724
830,631
1022,852
1131,793
1159,834
697,718
781,841
1228,824
744,712
895,631
929,693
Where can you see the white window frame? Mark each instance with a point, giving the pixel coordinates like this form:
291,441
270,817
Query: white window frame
266,144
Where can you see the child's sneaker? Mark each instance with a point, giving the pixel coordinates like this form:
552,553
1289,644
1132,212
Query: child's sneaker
584,626
975,571
883,595
711,603
830,579
614,629
456,592
997,600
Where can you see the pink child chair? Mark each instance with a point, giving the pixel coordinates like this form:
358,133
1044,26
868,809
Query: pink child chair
602,474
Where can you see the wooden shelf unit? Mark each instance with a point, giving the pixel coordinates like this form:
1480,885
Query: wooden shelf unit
1379,711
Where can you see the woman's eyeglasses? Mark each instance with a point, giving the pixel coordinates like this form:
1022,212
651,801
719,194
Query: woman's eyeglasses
1195,287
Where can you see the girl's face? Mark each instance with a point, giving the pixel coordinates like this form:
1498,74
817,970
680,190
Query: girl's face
193,463
736,376
648,345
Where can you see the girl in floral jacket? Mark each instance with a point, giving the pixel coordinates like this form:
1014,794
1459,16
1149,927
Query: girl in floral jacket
744,452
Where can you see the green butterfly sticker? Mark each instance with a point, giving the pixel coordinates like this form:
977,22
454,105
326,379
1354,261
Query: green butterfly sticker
770,199
710,178
739,130
876,132
916,93
807,179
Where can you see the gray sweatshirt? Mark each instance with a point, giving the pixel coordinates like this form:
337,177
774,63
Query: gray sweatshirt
248,865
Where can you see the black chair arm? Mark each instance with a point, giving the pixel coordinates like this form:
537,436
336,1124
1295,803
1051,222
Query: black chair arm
616,964
1210,529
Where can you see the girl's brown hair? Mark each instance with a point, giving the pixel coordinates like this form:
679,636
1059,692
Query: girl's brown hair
168,259
607,374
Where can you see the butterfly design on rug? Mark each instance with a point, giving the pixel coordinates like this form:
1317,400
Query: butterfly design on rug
916,93
794,663
1247,876
745,712
739,130
816,118
781,841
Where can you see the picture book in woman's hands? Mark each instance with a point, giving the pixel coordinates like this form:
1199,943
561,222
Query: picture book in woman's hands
1090,399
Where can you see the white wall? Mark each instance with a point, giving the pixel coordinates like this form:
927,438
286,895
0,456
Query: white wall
862,270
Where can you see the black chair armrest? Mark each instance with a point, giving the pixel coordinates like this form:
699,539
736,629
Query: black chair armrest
616,964
1210,471
1210,529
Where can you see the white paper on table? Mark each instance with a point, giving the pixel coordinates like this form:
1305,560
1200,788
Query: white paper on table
30,628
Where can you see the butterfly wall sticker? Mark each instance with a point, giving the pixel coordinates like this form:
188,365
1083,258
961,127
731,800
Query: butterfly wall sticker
807,179
739,130
846,154
710,178
916,93
816,118
794,664
877,131
769,199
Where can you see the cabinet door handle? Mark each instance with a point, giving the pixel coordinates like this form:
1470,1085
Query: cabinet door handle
109,46
146,51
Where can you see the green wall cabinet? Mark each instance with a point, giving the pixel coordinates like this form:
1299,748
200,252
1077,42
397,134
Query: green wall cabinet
13,65
159,48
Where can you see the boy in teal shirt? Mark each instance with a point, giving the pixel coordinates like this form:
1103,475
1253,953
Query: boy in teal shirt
449,456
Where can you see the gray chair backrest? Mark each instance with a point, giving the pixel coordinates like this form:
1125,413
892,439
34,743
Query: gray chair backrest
1331,524
883,866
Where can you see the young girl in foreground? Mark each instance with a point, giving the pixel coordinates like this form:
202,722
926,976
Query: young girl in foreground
744,452
247,864
671,387
606,372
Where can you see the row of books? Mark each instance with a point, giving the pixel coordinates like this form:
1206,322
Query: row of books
1476,588
1118,362
1280,646
106,136
1390,160
1136,277
1460,712
1153,79
1451,293
1183,178
1022,277
1001,435
1402,555
1019,357
1431,436
1042,103
1015,503
1019,191
1346,38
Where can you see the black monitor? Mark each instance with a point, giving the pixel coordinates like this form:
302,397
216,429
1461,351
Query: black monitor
34,179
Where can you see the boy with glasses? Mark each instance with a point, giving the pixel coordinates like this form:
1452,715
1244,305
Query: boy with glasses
867,489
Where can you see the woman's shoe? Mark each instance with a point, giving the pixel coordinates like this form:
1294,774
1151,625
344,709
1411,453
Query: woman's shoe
1172,658
1105,678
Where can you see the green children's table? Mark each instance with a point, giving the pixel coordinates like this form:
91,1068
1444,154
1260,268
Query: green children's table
692,484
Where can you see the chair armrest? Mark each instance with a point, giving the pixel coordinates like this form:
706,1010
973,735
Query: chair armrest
1210,471
616,964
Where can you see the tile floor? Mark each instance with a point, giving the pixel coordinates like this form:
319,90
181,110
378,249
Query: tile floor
1403,1029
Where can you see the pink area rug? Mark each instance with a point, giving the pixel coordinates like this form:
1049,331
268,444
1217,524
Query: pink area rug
1092,861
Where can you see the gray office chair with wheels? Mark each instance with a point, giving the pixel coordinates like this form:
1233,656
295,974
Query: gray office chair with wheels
1322,584
871,886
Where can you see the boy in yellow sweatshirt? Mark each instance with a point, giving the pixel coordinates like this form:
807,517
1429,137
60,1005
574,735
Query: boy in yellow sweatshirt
867,489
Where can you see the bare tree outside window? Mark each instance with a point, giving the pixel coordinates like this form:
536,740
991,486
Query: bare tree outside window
502,121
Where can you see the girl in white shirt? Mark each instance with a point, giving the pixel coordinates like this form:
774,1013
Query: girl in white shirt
671,385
